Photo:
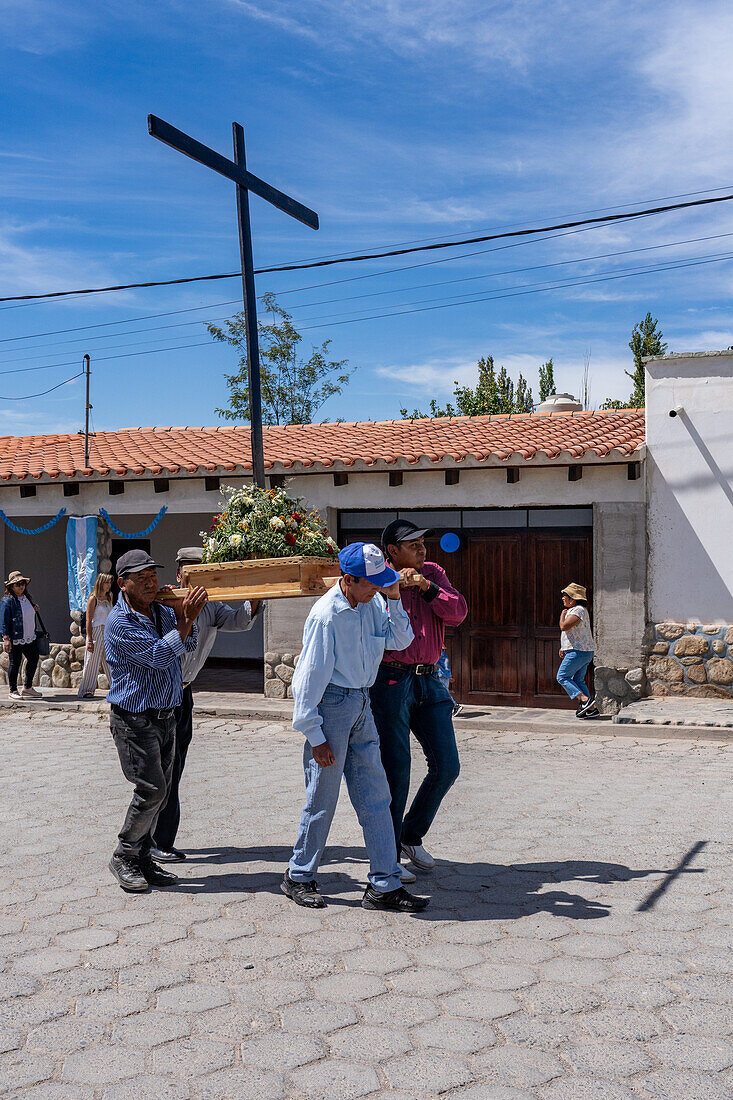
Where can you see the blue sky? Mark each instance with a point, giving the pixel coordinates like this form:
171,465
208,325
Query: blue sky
397,122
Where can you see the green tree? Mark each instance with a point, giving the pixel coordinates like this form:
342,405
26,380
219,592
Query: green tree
494,392
645,340
293,388
547,380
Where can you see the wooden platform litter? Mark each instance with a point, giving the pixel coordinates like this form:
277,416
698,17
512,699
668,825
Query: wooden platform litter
261,578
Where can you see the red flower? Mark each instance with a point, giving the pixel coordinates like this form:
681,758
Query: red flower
290,539
330,549
297,517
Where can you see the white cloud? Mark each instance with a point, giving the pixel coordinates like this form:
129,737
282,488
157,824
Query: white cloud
42,26
35,269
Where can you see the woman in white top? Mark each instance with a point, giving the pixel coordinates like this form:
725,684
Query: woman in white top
576,649
99,606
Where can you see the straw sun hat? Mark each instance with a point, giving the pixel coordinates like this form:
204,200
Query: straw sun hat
575,592
16,577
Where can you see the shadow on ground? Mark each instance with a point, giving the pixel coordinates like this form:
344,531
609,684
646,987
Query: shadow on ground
484,891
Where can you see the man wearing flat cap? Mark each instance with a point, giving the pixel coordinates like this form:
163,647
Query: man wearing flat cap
144,641
408,695
215,616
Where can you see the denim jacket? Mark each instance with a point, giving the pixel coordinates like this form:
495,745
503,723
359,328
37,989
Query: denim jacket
11,619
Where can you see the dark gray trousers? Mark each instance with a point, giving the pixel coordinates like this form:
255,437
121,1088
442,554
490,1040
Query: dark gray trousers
146,747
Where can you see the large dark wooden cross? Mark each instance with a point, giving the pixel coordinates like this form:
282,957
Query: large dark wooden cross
236,171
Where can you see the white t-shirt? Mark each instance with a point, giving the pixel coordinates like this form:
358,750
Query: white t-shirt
578,637
101,613
29,620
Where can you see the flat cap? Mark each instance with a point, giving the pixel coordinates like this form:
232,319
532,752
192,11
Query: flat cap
192,554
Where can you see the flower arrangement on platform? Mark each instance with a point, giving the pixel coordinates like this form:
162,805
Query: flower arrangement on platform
265,523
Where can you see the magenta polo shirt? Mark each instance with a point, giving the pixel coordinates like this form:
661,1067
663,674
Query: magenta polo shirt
429,614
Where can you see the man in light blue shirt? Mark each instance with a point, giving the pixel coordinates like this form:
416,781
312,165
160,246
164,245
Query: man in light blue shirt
344,639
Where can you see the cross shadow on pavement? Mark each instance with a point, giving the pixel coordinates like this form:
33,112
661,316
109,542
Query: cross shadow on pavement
475,891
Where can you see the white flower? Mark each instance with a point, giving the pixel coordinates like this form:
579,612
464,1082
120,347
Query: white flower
235,540
211,545
277,522
331,542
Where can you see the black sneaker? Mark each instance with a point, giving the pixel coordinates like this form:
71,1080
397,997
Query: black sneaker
167,855
583,709
128,874
155,875
302,893
592,713
397,901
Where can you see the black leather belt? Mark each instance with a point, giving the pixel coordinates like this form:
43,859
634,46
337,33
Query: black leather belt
159,713
420,669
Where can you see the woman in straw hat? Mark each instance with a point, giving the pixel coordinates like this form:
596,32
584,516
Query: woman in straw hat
18,620
576,649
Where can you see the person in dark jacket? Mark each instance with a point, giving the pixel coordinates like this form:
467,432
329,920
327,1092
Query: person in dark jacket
18,621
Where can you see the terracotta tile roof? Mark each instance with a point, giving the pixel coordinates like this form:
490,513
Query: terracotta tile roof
560,437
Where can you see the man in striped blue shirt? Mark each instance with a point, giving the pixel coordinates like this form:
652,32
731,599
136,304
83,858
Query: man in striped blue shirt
143,641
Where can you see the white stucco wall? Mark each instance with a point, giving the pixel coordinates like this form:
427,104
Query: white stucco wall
540,484
689,475
190,507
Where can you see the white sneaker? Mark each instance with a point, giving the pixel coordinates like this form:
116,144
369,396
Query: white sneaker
15,695
417,855
406,875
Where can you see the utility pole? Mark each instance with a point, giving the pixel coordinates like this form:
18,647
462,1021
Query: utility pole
87,407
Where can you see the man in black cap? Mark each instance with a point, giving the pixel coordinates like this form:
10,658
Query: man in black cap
408,694
143,641
215,616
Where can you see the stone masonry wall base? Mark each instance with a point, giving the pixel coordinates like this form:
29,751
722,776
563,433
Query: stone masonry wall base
690,659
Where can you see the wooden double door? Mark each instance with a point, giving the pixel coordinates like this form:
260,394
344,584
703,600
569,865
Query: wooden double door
506,651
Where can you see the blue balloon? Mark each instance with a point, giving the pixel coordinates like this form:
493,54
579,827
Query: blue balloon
449,542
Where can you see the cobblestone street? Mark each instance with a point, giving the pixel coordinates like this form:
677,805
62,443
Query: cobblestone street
577,947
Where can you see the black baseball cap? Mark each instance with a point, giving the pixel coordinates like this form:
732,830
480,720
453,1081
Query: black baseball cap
134,561
402,530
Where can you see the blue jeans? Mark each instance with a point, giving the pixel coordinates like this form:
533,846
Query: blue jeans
401,702
572,670
349,728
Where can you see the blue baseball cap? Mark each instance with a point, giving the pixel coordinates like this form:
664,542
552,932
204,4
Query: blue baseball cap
364,559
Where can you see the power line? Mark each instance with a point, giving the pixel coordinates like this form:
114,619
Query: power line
124,321
298,290
30,396
126,355
515,270
507,292
514,294
604,219
378,293
666,265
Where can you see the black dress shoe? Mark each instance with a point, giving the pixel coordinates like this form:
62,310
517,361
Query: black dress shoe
128,874
302,893
167,855
155,875
397,901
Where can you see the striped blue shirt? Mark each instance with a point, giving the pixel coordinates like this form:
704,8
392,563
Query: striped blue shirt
145,665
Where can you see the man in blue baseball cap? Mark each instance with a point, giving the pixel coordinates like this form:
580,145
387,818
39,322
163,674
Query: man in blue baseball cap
344,639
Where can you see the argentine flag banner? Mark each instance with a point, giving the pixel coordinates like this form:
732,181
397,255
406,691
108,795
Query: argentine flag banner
81,559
